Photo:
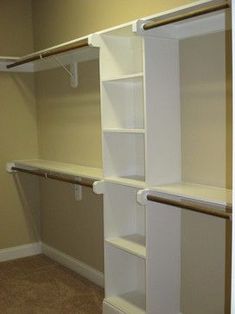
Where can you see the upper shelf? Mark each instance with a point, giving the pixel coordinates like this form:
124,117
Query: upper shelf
58,167
203,17
78,50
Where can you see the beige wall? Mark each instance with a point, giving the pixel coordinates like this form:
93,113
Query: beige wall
18,129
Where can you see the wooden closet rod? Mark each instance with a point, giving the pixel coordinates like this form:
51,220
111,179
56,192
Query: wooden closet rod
50,52
53,176
195,206
185,16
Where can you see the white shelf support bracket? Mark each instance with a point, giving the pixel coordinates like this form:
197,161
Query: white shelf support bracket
78,190
98,187
142,196
72,71
9,166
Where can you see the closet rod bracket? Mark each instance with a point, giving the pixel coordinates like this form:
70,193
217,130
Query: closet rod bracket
9,167
142,196
71,70
98,187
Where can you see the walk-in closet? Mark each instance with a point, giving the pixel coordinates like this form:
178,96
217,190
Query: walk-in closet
117,157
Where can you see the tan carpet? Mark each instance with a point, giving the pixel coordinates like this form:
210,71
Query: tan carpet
37,284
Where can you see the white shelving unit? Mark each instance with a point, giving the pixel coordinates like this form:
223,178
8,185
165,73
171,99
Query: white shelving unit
142,147
142,98
172,103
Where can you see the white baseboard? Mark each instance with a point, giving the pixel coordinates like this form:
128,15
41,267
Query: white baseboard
20,251
74,264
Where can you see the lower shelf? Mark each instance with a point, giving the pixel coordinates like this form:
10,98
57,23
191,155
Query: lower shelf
131,180
129,303
134,244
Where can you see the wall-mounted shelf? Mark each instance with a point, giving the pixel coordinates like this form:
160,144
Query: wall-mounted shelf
205,193
58,167
210,22
75,51
202,199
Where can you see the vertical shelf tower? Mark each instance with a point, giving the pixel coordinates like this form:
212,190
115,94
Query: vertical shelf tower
123,126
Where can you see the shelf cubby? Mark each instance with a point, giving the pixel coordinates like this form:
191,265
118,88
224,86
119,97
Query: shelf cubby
121,54
123,103
124,156
125,281
124,219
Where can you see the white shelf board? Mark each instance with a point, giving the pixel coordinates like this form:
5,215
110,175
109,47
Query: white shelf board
132,180
60,167
4,61
69,57
127,77
134,244
206,193
129,303
197,26
78,55
123,130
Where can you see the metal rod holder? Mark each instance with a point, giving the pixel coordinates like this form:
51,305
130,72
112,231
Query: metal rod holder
178,18
195,206
54,176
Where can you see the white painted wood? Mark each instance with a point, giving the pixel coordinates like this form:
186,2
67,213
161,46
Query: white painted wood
123,103
74,264
205,24
163,259
132,181
121,130
129,303
122,215
60,167
125,77
163,141
124,272
20,251
67,58
211,194
124,155
110,309
134,244
120,55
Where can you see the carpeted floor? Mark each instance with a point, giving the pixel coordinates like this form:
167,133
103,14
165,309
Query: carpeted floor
37,284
